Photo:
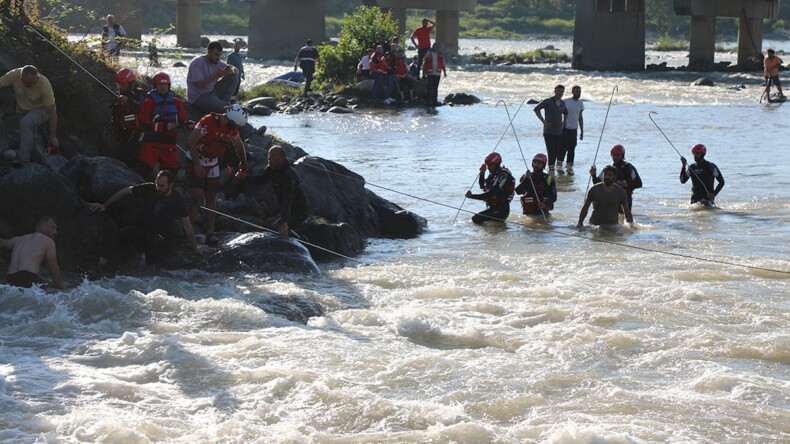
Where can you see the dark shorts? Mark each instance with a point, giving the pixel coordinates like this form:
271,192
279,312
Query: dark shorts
210,184
24,279
775,80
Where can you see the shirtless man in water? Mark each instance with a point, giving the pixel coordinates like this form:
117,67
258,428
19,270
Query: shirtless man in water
28,253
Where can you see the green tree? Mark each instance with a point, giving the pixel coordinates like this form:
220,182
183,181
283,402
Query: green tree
360,30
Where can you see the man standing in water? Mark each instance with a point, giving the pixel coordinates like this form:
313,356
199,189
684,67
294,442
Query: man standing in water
702,173
29,251
554,109
771,65
497,190
606,198
572,123
538,189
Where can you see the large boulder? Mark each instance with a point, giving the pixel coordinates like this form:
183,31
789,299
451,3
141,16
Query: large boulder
261,252
33,191
461,99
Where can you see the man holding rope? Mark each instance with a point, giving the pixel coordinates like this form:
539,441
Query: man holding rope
702,174
208,141
294,207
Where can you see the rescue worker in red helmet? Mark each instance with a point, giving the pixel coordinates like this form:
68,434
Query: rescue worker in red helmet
125,134
702,174
207,143
160,115
538,182
497,188
626,175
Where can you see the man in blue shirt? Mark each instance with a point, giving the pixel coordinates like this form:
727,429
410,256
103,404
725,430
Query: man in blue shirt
308,59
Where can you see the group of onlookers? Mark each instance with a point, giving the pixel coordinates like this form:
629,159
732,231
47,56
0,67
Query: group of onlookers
395,76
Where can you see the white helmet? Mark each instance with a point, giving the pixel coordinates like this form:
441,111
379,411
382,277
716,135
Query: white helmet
237,114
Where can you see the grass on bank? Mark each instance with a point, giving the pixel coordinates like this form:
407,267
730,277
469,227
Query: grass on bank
276,90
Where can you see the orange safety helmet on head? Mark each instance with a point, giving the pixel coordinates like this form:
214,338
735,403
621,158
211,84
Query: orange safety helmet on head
618,149
159,78
493,159
541,157
124,75
699,149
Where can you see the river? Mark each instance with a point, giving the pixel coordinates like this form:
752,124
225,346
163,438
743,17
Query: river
523,333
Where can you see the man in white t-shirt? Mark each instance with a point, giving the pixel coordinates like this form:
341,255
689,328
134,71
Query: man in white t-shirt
573,122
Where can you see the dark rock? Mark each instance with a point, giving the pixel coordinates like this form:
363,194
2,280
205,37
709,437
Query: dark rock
340,110
261,110
461,99
269,102
33,191
532,102
204,41
339,238
261,252
340,101
703,81
179,65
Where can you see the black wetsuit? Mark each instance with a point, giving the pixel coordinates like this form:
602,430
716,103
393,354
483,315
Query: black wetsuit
294,207
498,190
625,172
547,193
702,176
152,226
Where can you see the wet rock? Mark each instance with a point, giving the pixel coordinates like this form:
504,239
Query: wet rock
179,65
461,99
261,252
340,110
703,81
269,102
261,110
340,101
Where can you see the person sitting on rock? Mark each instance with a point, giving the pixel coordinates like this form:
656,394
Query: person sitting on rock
35,104
162,204
294,207
210,81
125,133
160,116
208,141
29,251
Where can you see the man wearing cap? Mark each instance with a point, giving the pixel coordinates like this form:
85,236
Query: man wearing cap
35,102
210,81
308,60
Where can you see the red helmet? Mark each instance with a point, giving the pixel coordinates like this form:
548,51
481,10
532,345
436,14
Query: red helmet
493,159
618,149
159,78
541,157
699,149
124,75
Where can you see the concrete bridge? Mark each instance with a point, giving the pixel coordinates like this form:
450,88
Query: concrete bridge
278,28
610,34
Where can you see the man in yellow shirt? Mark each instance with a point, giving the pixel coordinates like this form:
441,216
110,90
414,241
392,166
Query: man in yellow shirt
35,101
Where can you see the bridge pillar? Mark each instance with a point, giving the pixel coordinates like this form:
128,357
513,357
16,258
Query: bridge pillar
279,28
399,15
448,25
750,41
188,23
609,35
128,13
702,43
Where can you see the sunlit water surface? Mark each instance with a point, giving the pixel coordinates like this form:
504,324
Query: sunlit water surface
529,332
